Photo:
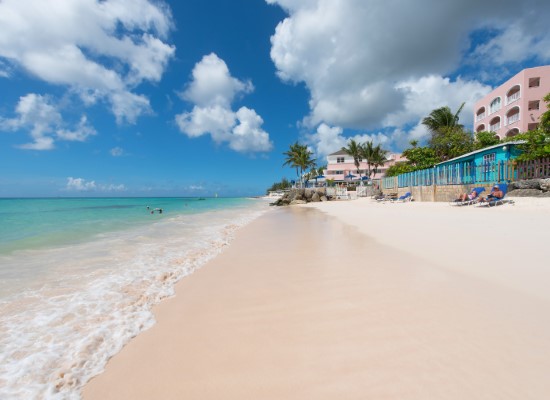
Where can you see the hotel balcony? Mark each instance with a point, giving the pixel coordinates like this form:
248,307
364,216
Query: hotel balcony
495,124
513,95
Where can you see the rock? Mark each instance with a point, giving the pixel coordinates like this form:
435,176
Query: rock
316,198
524,193
545,184
294,202
308,194
324,198
525,184
545,194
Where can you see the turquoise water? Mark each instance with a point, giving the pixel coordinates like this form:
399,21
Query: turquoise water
37,223
78,278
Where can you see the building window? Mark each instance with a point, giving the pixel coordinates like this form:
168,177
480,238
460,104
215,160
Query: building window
488,161
534,105
495,105
339,160
534,82
532,127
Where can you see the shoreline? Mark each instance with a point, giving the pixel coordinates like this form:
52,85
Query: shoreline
310,303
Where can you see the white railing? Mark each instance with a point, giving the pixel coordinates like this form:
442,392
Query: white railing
512,98
494,127
480,116
513,118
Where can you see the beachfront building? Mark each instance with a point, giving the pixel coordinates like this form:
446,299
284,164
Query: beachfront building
340,164
516,105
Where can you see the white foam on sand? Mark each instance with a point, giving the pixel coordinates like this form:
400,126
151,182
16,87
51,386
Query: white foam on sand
61,330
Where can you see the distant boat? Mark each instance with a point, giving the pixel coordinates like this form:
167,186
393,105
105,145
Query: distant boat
202,198
216,195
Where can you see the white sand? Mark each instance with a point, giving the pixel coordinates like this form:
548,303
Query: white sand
386,305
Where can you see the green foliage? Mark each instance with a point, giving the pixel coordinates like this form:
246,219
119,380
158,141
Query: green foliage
298,156
354,149
537,141
451,142
399,168
537,145
283,184
485,139
442,119
420,157
545,117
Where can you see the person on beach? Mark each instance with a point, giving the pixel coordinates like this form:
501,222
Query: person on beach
496,194
468,196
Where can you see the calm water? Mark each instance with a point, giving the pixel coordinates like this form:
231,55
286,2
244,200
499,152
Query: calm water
78,278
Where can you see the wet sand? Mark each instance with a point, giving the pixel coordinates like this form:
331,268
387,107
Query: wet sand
303,305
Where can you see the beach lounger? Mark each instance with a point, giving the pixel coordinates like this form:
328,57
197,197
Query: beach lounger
406,197
386,197
478,190
490,203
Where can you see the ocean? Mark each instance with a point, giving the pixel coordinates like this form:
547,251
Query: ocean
79,276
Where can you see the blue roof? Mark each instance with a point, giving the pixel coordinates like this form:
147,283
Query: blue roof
482,150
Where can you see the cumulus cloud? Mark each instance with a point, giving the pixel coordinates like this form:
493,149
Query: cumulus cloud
327,139
212,90
371,65
41,118
99,49
83,185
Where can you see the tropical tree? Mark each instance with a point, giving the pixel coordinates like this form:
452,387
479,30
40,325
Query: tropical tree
367,153
485,139
354,149
441,118
451,142
298,156
379,158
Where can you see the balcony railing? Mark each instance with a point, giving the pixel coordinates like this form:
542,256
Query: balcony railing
513,97
494,127
480,116
513,118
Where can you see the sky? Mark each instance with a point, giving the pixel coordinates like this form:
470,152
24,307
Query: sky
202,97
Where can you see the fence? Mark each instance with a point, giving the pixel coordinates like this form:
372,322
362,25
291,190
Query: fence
470,173
534,169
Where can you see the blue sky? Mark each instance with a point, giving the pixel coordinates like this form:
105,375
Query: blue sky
196,97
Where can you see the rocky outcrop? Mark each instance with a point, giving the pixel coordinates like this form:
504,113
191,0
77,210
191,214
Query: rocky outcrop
302,196
530,188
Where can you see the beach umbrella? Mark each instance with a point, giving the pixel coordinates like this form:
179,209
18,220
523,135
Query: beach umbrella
365,178
350,176
320,177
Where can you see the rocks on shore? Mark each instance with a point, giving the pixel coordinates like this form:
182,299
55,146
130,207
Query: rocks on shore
302,196
530,188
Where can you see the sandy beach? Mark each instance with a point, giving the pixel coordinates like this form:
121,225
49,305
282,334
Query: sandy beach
355,300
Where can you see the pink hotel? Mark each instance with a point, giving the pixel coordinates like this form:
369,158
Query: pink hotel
516,105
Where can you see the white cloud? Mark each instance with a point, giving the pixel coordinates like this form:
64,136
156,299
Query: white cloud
99,49
83,185
41,118
371,65
80,185
328,139
117,151
212,91
79,134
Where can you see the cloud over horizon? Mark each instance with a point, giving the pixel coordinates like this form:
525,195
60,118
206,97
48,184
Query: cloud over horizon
212,91
367,67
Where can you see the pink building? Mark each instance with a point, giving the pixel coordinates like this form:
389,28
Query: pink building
516,105
340,164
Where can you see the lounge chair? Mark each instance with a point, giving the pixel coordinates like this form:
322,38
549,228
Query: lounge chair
406,197
496,202
385,197
468,202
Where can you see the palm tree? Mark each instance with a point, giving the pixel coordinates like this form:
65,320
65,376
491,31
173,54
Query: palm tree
354,149
291,156
298,156
367,152
442,118
379,157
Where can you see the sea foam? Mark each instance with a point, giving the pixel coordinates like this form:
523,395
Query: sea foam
94,297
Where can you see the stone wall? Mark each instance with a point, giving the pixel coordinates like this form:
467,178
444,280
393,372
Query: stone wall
525,188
